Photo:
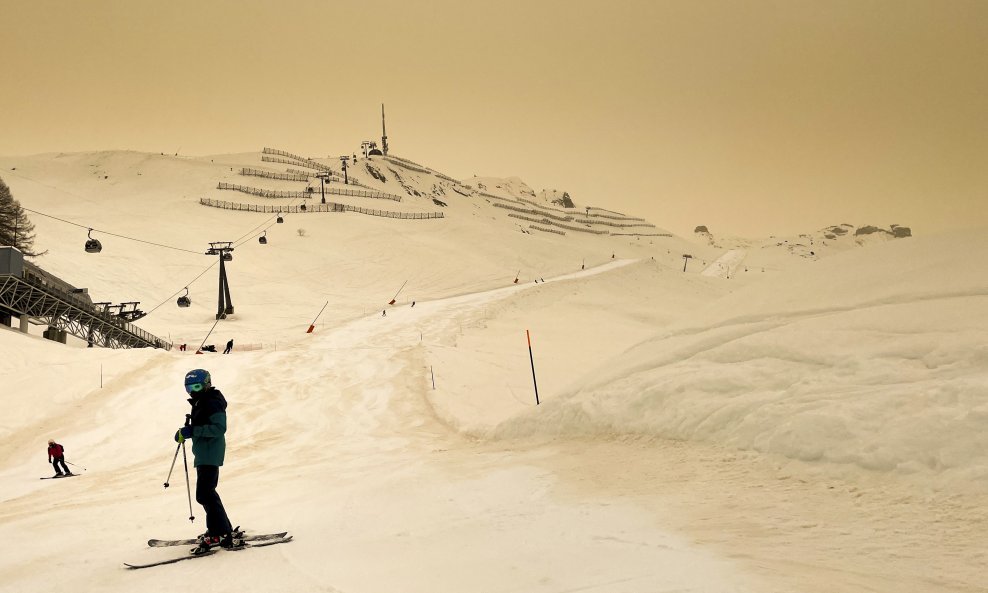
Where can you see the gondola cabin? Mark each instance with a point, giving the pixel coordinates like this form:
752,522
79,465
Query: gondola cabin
93,245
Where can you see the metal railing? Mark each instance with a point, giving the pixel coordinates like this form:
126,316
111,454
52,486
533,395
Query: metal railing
35,294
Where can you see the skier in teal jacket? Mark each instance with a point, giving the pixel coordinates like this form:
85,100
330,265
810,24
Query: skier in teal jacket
206,426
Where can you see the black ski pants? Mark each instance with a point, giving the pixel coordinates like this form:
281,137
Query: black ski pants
207,477
60,461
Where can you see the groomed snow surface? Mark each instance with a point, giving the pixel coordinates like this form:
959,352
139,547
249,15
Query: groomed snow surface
819,427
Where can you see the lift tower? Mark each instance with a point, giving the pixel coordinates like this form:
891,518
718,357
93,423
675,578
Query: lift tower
225,304
384,133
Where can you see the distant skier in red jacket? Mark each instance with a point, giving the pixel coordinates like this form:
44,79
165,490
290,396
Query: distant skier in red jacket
56,456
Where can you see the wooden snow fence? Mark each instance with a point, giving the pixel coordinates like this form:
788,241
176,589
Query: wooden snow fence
568,213
529,218
275,159
615,224
535,211
265,193
286,209
407,164
546,230
618,217
359,193
581,230
290,176
338,191
327,207
300,160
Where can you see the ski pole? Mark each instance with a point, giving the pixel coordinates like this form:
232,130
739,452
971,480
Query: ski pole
188,419
188,490
168,479
74,465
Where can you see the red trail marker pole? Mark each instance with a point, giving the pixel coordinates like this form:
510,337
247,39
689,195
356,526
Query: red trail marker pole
395,297
312,326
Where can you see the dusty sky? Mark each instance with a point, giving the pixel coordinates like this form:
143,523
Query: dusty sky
753,118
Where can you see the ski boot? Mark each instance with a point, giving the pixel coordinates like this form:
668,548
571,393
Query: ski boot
233,540
204,543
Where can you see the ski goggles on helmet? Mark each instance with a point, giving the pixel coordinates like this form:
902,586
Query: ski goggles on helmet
191,388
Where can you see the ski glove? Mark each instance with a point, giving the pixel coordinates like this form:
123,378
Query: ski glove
183,433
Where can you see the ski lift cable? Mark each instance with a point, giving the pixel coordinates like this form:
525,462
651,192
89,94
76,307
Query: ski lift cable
245,238
237,240
50,186
209,333
210,266
89,228
255,235
201,274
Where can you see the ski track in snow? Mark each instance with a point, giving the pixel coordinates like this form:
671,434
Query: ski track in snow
726,265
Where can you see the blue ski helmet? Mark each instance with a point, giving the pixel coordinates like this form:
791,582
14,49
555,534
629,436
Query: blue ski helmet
197,380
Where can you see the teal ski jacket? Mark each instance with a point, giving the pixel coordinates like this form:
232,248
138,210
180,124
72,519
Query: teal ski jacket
208,422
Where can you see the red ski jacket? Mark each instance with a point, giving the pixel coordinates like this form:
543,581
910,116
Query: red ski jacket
55,450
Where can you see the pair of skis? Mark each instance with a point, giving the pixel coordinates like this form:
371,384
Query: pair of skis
250,541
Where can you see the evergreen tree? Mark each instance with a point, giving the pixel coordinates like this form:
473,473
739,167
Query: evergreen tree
16,229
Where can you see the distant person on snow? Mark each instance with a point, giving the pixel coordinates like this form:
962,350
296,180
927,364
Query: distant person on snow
229,347
56,457
206,426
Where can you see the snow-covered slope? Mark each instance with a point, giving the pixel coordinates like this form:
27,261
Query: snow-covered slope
874,359
828,411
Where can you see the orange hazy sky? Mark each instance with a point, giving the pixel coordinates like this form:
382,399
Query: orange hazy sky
752,118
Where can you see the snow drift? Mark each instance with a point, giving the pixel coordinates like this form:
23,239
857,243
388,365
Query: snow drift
876,358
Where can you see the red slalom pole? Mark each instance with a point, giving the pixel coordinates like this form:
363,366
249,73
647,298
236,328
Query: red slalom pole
395,297
532,360
312,325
